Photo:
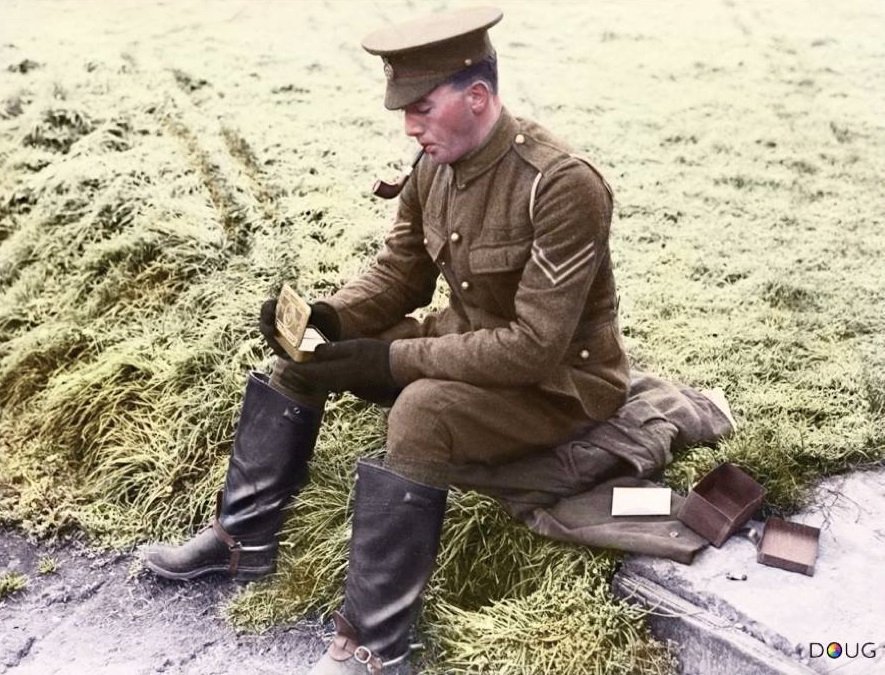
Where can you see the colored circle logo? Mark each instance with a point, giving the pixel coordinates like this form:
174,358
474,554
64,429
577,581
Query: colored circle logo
834,650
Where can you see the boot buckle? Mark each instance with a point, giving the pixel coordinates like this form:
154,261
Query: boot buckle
362,655
372,663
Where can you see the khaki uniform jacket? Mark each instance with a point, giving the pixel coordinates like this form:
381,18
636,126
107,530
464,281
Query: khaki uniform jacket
519,229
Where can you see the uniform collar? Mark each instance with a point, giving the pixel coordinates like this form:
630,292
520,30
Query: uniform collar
492,149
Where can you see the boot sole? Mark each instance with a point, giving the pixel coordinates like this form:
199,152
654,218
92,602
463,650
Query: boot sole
243,573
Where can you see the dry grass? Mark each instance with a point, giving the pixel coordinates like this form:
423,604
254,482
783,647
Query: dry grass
162,172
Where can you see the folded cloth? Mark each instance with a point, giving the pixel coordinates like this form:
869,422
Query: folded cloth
565,493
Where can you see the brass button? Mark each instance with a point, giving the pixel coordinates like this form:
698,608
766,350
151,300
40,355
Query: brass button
465,285
426,241
442,263
455,237
585,354
461,186
468,62
519,140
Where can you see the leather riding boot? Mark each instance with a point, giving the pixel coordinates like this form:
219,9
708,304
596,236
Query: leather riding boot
393,546
268,464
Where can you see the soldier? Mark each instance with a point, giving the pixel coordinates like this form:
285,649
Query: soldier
518,226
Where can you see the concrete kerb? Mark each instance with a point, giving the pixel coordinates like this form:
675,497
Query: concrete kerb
776,621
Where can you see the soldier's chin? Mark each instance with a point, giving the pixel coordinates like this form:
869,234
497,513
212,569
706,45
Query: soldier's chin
438,156
433,153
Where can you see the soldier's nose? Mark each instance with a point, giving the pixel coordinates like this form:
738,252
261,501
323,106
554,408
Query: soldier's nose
412,127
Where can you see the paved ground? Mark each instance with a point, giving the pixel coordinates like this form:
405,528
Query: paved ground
776,621
99,613
93,615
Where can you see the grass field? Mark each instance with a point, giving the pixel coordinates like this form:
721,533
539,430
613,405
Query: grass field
164,167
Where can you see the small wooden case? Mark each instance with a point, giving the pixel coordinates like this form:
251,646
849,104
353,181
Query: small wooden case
291,322
790,546
721,503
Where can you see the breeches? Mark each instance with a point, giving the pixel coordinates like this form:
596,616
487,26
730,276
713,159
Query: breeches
435,426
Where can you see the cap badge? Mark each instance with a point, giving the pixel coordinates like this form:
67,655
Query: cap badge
388,70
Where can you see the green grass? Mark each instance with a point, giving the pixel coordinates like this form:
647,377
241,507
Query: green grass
148,207
12,582
47,565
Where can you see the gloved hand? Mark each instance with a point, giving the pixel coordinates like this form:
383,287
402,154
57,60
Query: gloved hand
268,327
362,364
322,316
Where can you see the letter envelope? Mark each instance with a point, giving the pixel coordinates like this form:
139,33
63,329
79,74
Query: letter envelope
640,501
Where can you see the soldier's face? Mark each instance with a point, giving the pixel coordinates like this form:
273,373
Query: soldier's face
444,124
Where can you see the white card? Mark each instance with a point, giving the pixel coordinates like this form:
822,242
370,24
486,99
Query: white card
311,340
640,501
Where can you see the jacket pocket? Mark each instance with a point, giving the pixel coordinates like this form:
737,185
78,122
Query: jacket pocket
494,276
499,258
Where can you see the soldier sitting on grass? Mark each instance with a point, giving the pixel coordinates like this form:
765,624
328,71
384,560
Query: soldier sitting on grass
526,355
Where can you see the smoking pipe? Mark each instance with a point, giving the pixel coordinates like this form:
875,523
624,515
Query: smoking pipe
387,190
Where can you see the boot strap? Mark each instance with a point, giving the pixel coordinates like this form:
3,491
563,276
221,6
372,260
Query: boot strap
232,544
346,645
235,547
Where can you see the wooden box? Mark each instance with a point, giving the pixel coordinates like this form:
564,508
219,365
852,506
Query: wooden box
721,503
790,546
291,322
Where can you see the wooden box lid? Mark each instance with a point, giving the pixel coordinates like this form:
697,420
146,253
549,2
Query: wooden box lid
790,546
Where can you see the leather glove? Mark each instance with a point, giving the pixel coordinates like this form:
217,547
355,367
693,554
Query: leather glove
322,316
268,326
362,364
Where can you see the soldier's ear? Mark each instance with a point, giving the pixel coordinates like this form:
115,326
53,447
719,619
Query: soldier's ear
478,96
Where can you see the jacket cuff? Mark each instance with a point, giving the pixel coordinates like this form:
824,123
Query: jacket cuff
402,369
